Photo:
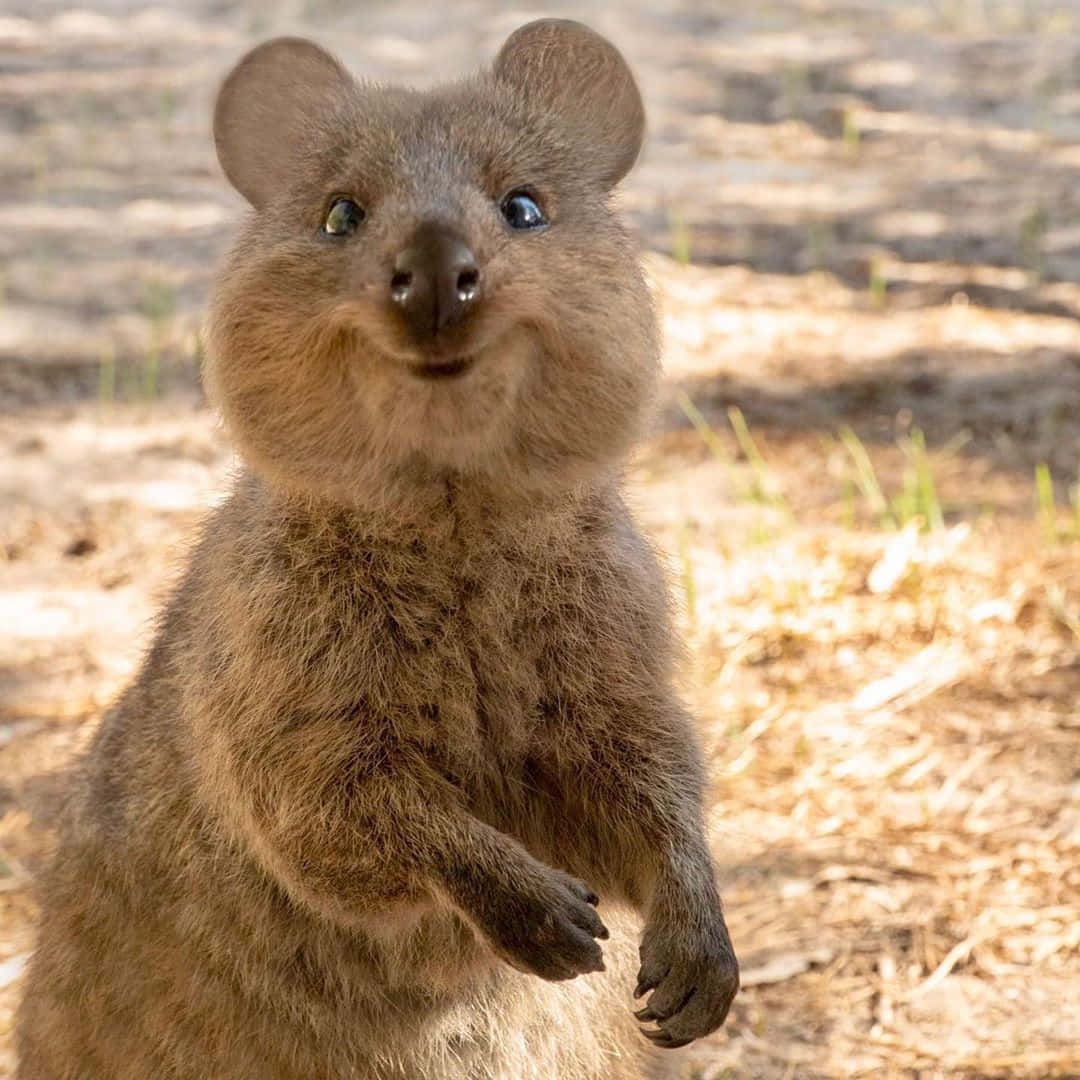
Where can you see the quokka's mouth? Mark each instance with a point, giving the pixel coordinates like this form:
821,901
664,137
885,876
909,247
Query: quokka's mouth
443,369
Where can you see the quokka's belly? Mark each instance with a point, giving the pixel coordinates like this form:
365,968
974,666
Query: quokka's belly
438,1005
423,1014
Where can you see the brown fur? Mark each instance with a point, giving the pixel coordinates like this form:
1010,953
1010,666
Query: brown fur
416,685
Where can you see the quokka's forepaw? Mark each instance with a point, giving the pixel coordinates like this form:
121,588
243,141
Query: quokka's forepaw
693,975
551,928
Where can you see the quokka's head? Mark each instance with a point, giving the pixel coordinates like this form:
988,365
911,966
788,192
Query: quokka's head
432,284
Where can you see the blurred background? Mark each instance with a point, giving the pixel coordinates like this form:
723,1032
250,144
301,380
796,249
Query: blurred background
862,222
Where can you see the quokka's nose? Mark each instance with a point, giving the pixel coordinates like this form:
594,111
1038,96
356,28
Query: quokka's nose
435,282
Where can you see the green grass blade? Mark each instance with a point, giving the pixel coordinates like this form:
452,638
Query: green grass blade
866,478
701,425
1047,505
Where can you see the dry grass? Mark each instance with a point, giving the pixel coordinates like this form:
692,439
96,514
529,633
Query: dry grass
894,743
862,471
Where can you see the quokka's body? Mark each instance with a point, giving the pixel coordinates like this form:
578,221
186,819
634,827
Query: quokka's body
409,715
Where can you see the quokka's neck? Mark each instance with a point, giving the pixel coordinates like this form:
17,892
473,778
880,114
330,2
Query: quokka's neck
451,512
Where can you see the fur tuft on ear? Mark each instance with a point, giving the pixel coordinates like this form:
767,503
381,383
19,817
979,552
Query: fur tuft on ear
583,80
266,108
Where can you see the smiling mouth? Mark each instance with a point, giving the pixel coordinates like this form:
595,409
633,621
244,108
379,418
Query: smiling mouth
444,369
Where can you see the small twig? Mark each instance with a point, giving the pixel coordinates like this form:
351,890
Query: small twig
958,953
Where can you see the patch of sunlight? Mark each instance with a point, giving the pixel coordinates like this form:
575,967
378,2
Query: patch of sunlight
945,127
148,214
867,74
153,494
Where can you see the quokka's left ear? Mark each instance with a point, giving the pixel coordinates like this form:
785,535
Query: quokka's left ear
582,80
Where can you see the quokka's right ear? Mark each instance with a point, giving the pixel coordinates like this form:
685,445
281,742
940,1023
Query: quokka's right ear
268,107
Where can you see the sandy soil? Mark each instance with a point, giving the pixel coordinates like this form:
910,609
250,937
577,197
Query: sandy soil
863,227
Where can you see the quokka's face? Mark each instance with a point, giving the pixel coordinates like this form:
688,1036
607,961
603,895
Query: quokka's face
432,282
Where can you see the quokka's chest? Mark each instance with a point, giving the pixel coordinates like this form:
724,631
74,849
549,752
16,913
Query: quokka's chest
478,663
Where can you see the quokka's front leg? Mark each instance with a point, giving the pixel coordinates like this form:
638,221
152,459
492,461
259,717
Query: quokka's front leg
646,786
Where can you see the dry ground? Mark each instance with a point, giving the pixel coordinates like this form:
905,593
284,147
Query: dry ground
869,215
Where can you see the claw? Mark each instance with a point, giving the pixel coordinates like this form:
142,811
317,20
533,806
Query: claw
665,1039
646,983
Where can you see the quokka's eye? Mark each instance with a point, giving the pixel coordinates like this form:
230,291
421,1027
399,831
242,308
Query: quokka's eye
522,211
343,218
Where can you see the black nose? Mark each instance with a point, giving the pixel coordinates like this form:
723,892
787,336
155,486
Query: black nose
435,282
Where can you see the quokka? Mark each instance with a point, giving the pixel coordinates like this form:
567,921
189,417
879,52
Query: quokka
407,731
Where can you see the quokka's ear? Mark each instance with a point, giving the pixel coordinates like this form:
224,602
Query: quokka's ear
267,108
582,80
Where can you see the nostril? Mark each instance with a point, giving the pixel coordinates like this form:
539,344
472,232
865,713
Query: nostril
399,285
468,283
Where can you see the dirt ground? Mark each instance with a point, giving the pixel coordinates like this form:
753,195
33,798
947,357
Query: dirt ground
863,223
